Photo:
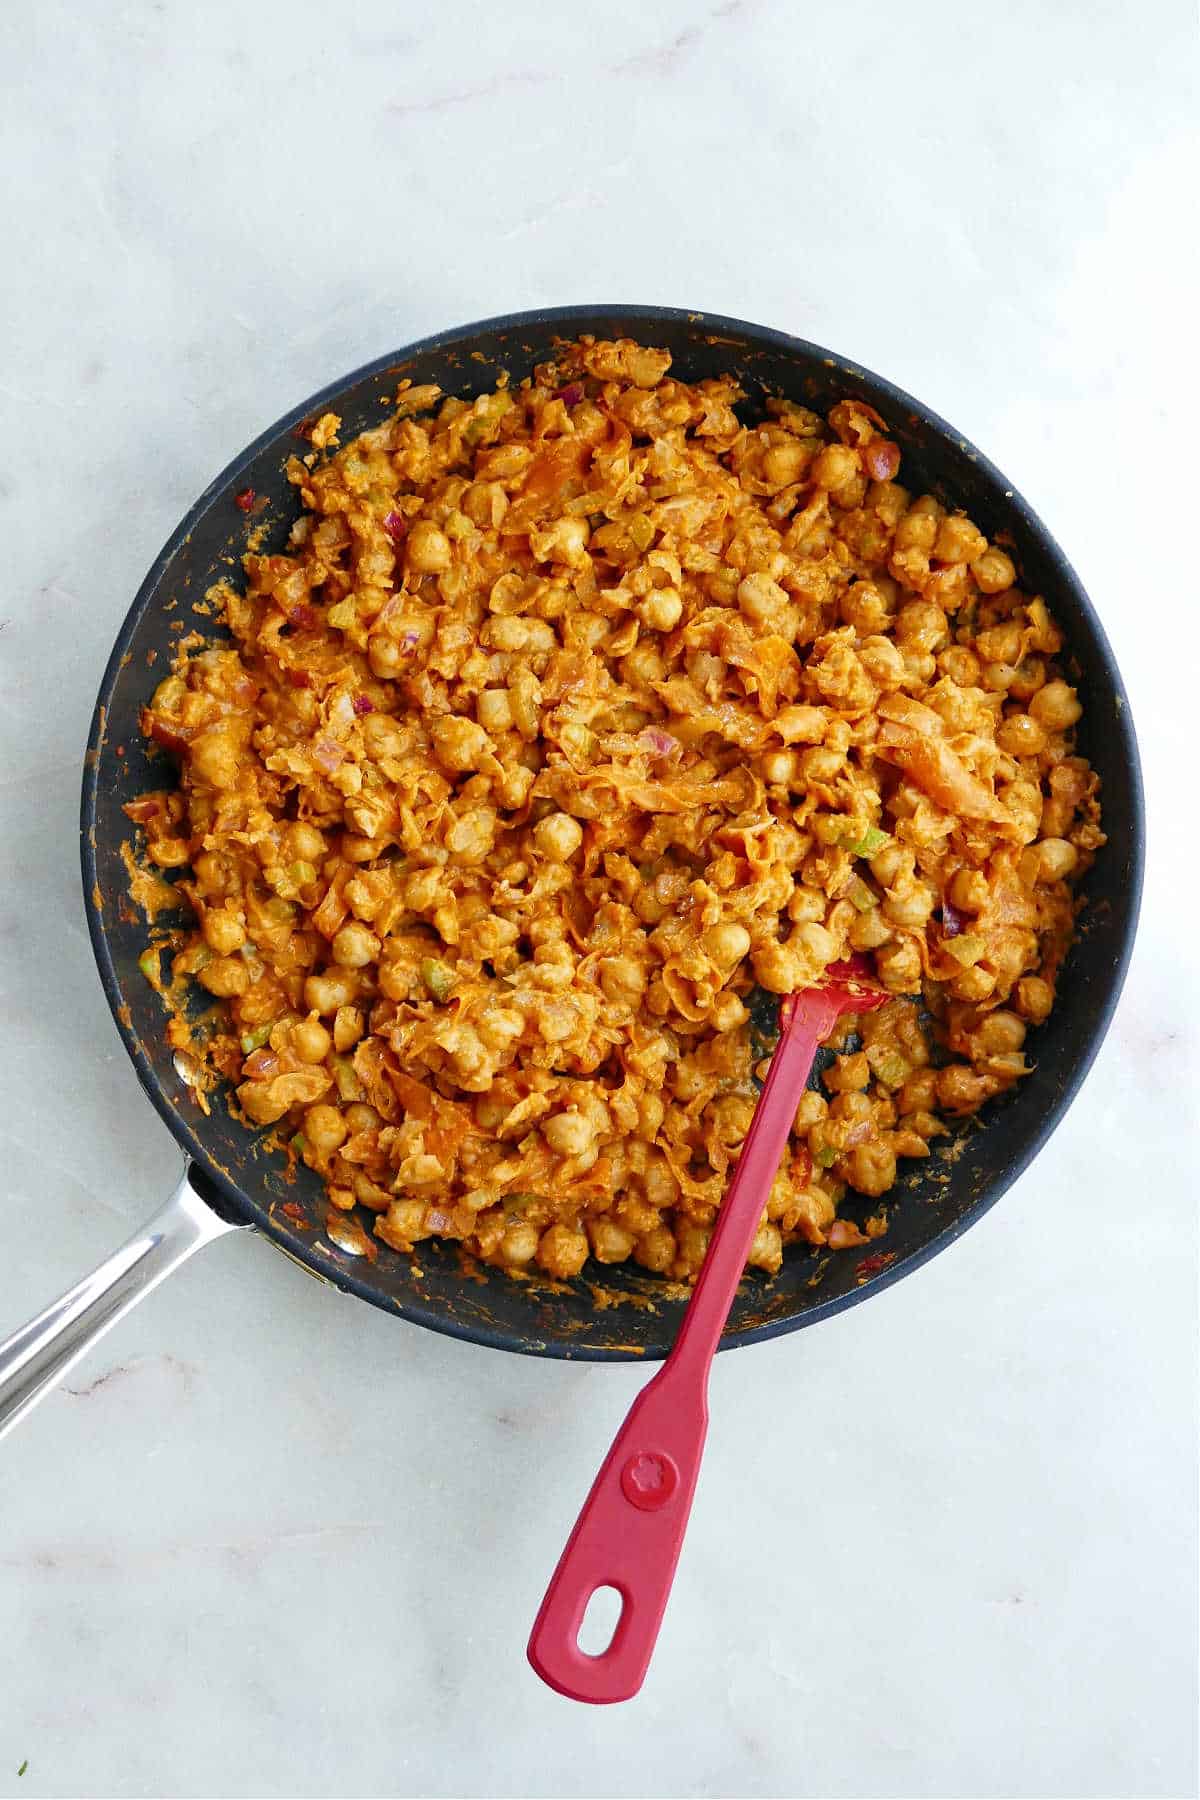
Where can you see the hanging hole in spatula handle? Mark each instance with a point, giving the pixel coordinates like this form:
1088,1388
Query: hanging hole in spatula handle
628,1537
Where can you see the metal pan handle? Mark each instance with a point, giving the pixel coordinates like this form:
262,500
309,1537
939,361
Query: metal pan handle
37,1356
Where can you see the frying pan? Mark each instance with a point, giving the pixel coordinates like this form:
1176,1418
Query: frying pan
231,1180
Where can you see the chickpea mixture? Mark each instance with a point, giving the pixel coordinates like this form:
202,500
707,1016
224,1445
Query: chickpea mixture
571,716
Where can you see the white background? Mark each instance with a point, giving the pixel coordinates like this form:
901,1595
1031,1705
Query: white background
272,1542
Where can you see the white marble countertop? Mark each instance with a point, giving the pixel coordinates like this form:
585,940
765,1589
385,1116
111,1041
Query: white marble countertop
272,1543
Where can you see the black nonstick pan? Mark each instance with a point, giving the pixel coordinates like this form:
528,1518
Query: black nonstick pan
232,1180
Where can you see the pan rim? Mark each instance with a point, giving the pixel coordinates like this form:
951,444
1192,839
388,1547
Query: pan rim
303,1249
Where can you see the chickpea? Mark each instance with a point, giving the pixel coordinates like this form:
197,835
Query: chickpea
899,967
325,993
812,1109
848,1074
1057,859
921,626
871,1168
427,549
1000,1033
347,1028
1000,643
821,764
223,931
802,724
385,657
562,1252
306,843
460,744
973,984
916,531
354,946
494,710
655,1250
727,944
761,599
361,1117
887,864
1029,676
776,968
960,1089
564,541
727,1013
911,907
568,1134
485,503
766,1249
869,930
993,571
470,837
310,1040
1035,998
969,890
960,665
662,609
518,1246
784,464
1055,706
622,980
864,607
779,768
997,677
610,1242
214,756
958,540
882,661
558,837
1020,734
818,945
835,466
325,1128
225,976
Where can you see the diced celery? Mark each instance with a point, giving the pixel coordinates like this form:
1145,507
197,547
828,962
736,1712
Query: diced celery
870,843
825,1155
254,1040
148,964
438,979
891,1068
861,897
345,1076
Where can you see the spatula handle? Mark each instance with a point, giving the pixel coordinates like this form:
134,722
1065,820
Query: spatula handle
630,1531
628,1536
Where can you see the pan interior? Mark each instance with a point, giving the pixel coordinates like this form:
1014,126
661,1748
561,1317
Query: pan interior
620,1312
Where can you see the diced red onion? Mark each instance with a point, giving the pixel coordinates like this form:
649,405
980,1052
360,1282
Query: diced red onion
572,394
328,755
952,920
659,743
260,1064
396,526
363,703
302,616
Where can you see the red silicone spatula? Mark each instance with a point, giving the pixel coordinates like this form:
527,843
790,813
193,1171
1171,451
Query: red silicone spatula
630,1531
